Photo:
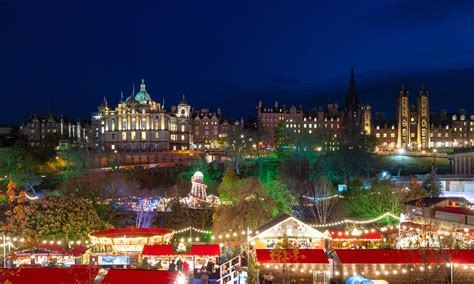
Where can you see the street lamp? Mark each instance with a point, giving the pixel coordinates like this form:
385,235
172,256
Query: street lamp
434,157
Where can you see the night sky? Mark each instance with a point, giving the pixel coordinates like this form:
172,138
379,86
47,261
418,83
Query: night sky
65,56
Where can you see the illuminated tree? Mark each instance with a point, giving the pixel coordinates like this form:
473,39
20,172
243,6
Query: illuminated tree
63,218
380,198
76,161
240,144
229,187
432,184
15,213
354,156
287,255
17,166
324,200
252,208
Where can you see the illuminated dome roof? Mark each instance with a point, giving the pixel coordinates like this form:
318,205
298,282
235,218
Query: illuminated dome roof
142,97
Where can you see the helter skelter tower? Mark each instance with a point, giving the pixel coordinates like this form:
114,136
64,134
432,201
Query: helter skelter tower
198,194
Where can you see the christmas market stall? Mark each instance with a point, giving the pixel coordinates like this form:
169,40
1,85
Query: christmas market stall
355,238
49,254
122,246
309,264
195,256
405,266
298,233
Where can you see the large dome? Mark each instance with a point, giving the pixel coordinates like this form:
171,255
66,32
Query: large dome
142,96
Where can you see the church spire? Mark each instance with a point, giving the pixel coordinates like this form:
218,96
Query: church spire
352,101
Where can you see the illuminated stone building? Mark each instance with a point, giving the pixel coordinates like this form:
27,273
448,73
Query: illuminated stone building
415,128
209,128
39,128
413,122
140,124
327,122
269,117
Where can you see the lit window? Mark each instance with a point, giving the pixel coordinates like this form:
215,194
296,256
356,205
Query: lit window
124,135
133,134
182,138
377,135
183,128
112,147
143,135
156,135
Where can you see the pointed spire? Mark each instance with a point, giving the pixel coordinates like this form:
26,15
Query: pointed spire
163,105
403,87
121,96
422,86
133,89
352,101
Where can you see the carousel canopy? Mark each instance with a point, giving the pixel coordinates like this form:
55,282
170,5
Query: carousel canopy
131,232
304,256
131,239
414,256
289,226
167,250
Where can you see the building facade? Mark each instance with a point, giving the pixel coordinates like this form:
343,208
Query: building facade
414,127
210,128
321,121
39,128
140,124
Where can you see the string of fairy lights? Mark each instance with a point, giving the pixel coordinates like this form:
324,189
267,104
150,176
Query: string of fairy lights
357,222
249,233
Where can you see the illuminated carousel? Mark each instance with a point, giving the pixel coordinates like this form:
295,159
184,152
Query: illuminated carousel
130,240
122,246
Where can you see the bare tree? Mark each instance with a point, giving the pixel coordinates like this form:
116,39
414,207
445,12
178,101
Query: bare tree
323,199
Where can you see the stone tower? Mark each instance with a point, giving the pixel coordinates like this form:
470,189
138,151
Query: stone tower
403,118
423,114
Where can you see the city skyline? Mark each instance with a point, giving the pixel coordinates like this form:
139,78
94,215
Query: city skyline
221,55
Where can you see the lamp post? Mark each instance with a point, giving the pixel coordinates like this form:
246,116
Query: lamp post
434,157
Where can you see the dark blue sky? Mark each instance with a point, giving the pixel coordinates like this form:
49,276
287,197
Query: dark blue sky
66,56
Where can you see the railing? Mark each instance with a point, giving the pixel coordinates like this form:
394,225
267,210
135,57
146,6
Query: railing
233,275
